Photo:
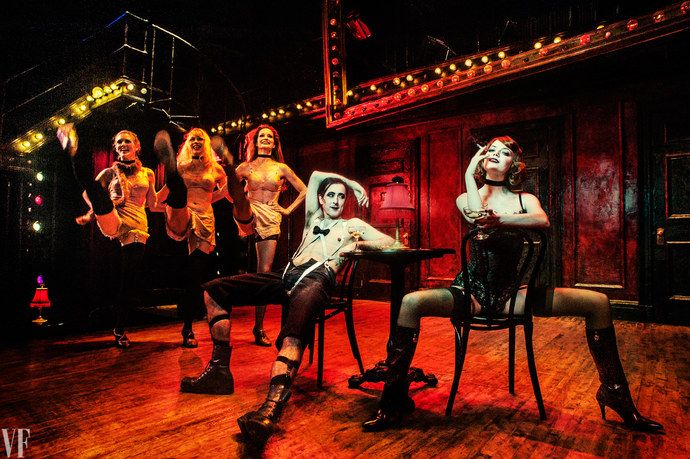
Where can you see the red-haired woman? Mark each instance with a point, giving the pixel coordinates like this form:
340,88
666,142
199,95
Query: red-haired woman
264,173
499,168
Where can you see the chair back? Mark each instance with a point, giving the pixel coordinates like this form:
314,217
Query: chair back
494,268
346,281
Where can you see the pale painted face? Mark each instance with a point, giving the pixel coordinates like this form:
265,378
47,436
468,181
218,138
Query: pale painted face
499,159
126,146
333,201
265,141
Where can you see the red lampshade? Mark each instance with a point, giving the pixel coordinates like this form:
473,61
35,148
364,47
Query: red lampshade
397,198
397,202
40,299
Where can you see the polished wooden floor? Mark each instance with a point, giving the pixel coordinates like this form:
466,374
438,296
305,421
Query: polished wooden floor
83,398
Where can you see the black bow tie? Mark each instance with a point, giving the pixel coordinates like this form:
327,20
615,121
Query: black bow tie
318,230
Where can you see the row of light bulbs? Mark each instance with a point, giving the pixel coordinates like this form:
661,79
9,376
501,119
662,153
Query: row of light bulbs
76,111
308,106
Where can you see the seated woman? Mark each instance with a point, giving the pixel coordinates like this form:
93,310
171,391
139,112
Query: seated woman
204,180
499,167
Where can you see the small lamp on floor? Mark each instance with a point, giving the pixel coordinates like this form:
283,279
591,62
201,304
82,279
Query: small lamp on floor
398,203
40,301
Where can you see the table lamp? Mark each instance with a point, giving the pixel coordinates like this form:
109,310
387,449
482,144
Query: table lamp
40,301
398,202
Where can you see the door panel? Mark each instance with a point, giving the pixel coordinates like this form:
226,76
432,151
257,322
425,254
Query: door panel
668,231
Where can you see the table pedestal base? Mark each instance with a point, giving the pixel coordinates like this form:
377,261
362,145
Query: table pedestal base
380,373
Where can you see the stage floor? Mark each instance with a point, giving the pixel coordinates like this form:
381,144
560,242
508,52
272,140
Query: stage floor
81,397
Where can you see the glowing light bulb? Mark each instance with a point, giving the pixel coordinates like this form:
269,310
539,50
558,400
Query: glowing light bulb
501,54
40,177
62,121
557,40
409,78
272,113
264,115
299,106
38,200
130,87
372,87
468,63
537,45
26,144
437,70
485,59
453,67
396,81
36,226
38,136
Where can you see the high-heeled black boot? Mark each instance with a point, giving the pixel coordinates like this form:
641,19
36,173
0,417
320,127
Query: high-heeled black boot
258,426
260,337
216,377
614,391
189,339
395,403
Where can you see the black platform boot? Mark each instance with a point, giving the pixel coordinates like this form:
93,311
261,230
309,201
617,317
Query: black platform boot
258,426
216,377
614,391
395,403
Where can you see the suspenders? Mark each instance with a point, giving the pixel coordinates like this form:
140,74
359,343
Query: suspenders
327,257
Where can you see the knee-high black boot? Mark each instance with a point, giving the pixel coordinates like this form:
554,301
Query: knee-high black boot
162,146
395,403
614,391
82,167
257,426
216,377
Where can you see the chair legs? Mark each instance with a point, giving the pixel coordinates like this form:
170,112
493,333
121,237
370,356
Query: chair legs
352,337
461,338
511,360
319,358
460,351
350,323
533,370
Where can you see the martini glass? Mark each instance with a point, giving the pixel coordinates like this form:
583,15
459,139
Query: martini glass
474,214
356,232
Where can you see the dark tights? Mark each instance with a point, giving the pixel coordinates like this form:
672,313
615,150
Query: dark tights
131,259
196,273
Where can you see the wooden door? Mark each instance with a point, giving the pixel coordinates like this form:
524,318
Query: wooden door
666,236
376,165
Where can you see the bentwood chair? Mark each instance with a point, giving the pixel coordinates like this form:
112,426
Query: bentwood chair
341,302
529,248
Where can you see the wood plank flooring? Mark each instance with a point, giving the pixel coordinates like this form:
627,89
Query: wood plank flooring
83,398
